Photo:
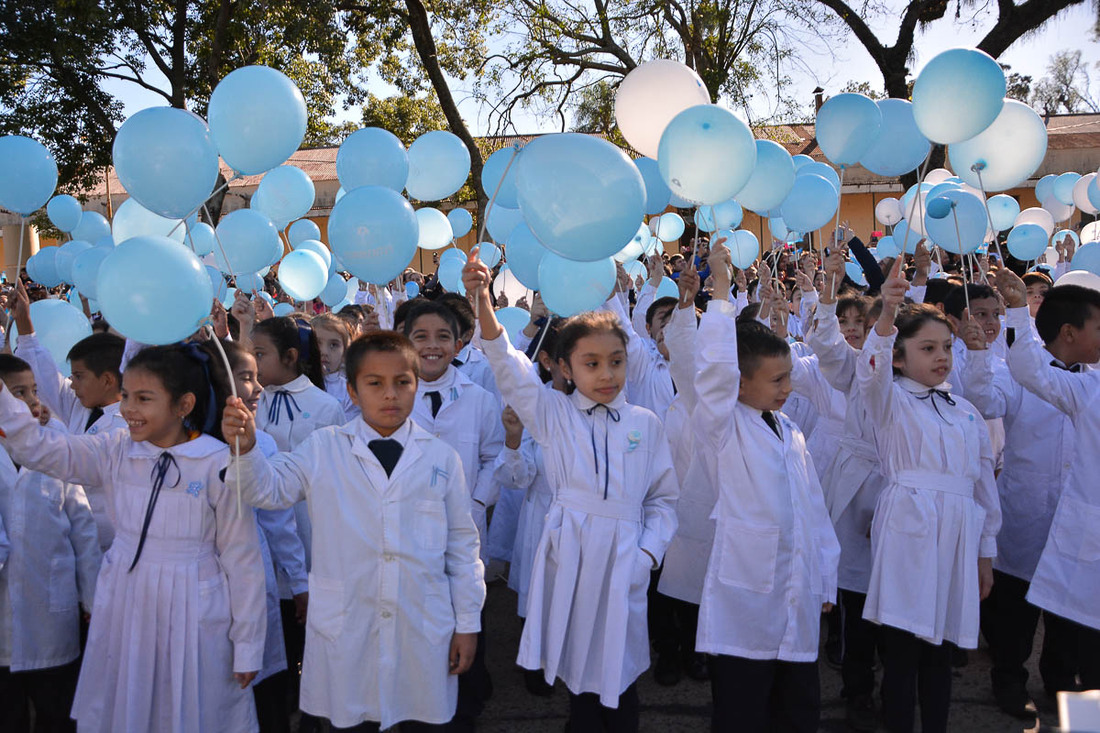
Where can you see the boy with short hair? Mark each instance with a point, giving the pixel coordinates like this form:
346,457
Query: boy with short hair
397,587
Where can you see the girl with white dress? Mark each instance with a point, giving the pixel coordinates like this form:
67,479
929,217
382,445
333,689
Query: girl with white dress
611,519
935,525
177,630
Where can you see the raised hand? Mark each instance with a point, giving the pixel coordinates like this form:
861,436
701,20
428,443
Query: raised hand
972,334
688,285
1011,288
513,428
238,423
893,295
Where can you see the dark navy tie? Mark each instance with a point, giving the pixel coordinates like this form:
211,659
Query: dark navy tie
437,401
769,418
387,451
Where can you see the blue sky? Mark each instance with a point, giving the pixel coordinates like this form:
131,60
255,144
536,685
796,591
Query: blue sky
830,70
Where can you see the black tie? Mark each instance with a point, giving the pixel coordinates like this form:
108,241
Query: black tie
95,414
456,363
1075,368
387,451
165,462
437,401
769,418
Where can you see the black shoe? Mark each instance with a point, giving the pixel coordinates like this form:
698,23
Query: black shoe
667,669
861,714
536,684
959,658
1014,700
695,667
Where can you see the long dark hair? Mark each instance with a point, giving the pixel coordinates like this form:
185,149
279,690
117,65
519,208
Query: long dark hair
287,334
194,368
911,317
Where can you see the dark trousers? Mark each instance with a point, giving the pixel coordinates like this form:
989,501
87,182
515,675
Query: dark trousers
294,638
912,670
48,691
271,704
587,715
409,726
672,622
1074,645
860,640
475,687
764,695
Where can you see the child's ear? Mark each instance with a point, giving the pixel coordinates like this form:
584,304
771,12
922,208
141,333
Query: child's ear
187,404
290,358
566,371
459,345
545,361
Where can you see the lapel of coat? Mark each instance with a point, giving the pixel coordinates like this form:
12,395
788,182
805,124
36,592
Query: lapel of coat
412,453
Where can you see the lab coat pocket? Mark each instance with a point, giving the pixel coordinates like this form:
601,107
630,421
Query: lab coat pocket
748,556
430,525
326,606
906,514
643,568
214,597
1076,532
62,584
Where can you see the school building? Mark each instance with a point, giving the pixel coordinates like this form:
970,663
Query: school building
1073,145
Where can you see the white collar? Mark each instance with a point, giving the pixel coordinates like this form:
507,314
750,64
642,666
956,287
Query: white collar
201,447
301,383
450,378
584,404
359,428
914,387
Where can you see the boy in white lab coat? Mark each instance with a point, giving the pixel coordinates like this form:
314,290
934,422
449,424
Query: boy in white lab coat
1066,583
773,566
53,563
396,587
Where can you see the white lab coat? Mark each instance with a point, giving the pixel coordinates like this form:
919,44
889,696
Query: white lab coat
53,566
395,570
290,420
774,559
523,469
648,382
586,610
1067,579
475,366
56,393
272,523
336,384
1039,442
939,511
165,638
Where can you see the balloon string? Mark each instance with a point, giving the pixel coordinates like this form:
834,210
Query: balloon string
485,221
542,336
920,208
978,169
19,256
233,390
202,206
218,239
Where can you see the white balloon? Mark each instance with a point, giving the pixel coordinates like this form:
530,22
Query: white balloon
1036,215
1008,151
1080,194
1091,232
938,175
888,212
1058,210
506,282
650,96
1084,278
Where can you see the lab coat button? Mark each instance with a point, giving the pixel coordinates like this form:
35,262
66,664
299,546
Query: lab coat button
386,614
388,558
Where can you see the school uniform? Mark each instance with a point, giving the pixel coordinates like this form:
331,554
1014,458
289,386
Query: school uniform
395,569
522,468
50,574
56,393
173,620
774,560
615,493
336,384
471,362
1066,582
648,383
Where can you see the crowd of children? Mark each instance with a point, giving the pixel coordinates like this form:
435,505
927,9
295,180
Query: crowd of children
709,476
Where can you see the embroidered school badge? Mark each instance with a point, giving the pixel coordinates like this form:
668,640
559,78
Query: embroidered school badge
634,439
194,488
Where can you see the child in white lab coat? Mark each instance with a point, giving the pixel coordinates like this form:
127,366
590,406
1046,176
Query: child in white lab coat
612,515
177,630
935,526
1065,584
396,587
772,568
333,337
52,568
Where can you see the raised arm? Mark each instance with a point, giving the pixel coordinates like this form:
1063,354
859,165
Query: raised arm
680,340
515,466
875,366
54,389
279,483
718,377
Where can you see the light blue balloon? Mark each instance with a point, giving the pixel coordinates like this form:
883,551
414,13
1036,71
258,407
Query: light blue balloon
667,288
900,146
569,287
1062,233
704,222
285,193
657,193
820,169
249,239
28,176
1092,192
525,252
372,157
744,248
66,253
706,154
670,227
85,270
800,160
1045,187
200,238
107,241
771,179
303,274
637,245
963,230
166,160
461,222
282,309
434,227
580,195
73,297
493,173
636,269
500,221
302,230
453,254
1063,187
439,164
855,273
938,208
250,283
450,276
778,228
950,77
726,215
939,189
811,203
64,212
906,238
319,249
374,231
887,247
58,326
1003,210
154,290
134,220
847,126
93,227
266,296
412,289
513,320
258,118
218,286
45,267
1027,241
336,289
678,202
1087,258
489,254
